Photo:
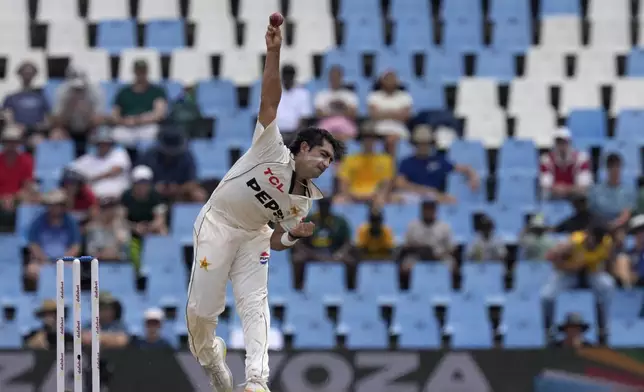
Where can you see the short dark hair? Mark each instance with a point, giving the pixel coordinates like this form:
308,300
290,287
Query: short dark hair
315,137
613,159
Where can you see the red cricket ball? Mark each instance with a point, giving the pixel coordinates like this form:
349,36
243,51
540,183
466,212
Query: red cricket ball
276,19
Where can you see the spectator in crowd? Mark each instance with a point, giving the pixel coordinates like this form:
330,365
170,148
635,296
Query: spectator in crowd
108,237
486,246
138,108
107,168
427,239
77,109
337,106
565,172
579,220
113,332
629,264
145,211
587,251
390,106
28,108
16,172
151,338
45,337
186,115
81,201
365,176
174,167
573,329
375,240
53,234
331,240
425,173
295,106
535,241
612,201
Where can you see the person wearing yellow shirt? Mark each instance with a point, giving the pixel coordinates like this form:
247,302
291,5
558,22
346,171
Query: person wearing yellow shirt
365,176
586,251
375,239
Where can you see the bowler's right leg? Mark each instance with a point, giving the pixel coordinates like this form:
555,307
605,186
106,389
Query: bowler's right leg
214,248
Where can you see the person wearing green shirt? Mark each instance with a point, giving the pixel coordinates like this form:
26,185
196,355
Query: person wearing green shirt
138,108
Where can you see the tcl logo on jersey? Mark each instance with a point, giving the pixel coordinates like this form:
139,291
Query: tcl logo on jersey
266,199
276,182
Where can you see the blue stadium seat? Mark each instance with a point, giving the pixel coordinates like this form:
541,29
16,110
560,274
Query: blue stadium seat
363,35
10,245
430,278
367,335
50,90
413,34
467,309
461,10
471,153
116,35
495,64
588,126
635,63
403,9
626,333
118,277
512,35
531,275
463,35
165,35
350,10
524,336
348,60
628,126
110,89
509,219
426,95
325,279
509,9
444,66
212,158
216,97
232,126
418,333
10,276
555,212
398,216
626,304
398,61
458,186
25,215
52,156
465,336
517,190
483,278
518,157
413,306
355,214
280,270
313,335
10,336
379,279
182,221
162,250
523,308
460,219
304,307
581,302
359,308
174,90
560,8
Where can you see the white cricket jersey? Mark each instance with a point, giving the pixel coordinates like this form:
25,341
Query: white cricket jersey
257,189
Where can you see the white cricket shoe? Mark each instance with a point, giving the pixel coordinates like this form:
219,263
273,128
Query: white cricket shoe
221,379
253,386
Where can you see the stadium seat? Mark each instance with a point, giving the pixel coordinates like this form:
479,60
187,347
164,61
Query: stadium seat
465,336
518,157
415,325
314,36
538,125
627,95
241,66
444,66
523,307
164,35
487,126
10,336
367,335
461,10
509,10
579,95
476,95
399,216
467,309
459,187
95,64
325,279
483,278
313,335
512,35
363,35
470,153
183,218
544,65
357,308
626,304
495,64
14,34
509,219
588,126
52,157
518,191
524,336
462,35
460,220
609,10
627,128
556,211
596,67
359,9
387,60
216,97
308,10
561,33
626,333
531,275
635,63
426,95
412,34
403,9
113,10
66,37
115,35
560,7
378,279
158,9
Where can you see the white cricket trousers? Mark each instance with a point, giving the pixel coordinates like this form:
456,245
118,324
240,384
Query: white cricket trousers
221,253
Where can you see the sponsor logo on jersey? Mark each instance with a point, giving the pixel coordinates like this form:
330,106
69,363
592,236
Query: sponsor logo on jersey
265,199
274,180
263,258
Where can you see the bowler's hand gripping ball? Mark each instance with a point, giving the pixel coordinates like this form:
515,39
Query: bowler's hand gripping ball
276,19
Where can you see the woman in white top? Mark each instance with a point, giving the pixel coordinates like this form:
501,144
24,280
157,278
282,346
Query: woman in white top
390,108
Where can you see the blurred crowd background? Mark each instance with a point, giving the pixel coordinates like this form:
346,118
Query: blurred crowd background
491,194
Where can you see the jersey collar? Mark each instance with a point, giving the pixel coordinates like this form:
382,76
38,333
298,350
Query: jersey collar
315,192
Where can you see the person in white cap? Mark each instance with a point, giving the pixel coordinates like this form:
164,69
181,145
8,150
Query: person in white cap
232,238
565,172
152,338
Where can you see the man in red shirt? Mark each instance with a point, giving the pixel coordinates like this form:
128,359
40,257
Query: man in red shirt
16,171
565,172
